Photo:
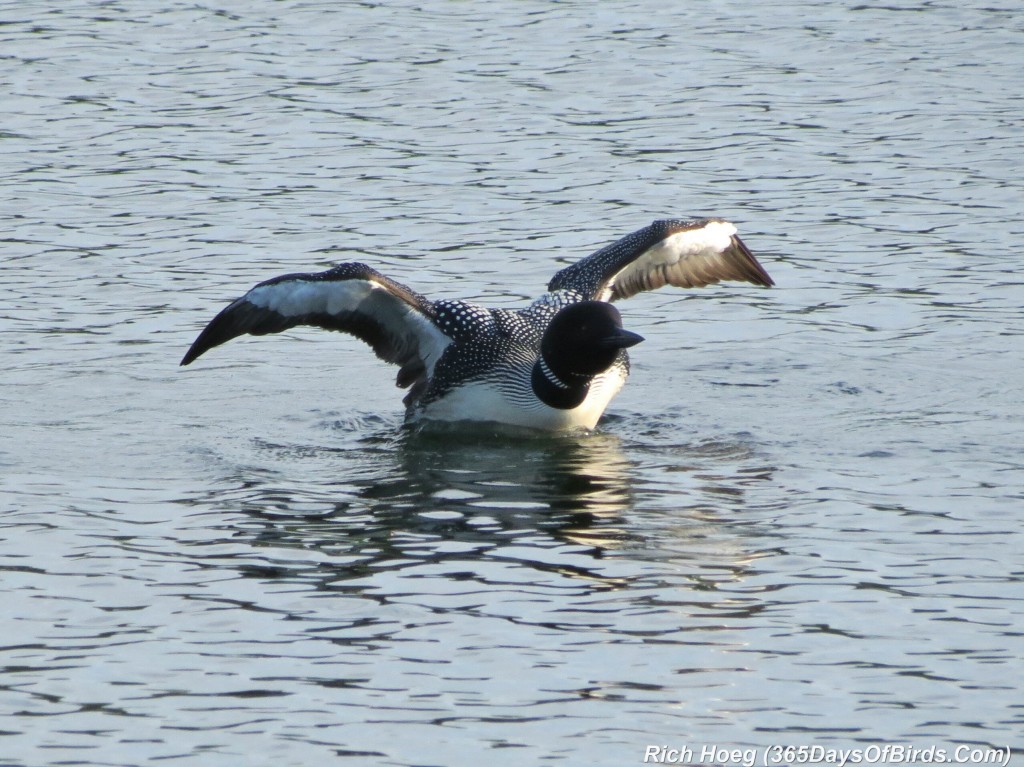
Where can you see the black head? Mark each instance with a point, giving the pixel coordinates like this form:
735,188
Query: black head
584,339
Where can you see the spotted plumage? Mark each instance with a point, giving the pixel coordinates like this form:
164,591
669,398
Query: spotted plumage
554,365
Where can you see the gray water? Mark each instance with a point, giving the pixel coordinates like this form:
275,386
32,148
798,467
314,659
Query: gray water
799,524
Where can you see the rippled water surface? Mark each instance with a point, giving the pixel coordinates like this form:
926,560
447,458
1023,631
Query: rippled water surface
800,523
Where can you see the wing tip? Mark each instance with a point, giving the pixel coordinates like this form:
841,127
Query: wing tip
236,319
191,355
751,267
201,345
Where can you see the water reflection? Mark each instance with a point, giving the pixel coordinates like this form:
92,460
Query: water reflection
387,501
395,499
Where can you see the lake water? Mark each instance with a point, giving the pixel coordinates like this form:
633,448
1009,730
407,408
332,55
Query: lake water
798,525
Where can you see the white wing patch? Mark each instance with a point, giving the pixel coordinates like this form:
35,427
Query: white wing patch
301,297
709,240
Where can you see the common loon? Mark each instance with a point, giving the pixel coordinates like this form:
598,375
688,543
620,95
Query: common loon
554,365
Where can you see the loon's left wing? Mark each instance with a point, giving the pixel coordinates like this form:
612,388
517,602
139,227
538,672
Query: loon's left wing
683,253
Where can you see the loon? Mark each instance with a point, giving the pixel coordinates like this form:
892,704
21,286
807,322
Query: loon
554,365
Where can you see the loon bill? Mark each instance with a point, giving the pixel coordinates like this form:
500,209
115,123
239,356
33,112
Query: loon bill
554,365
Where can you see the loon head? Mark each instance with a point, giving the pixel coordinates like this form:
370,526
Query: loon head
584,339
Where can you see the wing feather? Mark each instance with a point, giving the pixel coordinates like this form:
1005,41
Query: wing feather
398,323
685,254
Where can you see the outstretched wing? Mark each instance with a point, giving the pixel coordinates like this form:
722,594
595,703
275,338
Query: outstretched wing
353,298
687,254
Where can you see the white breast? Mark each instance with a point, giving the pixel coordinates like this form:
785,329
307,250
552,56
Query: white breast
485,402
